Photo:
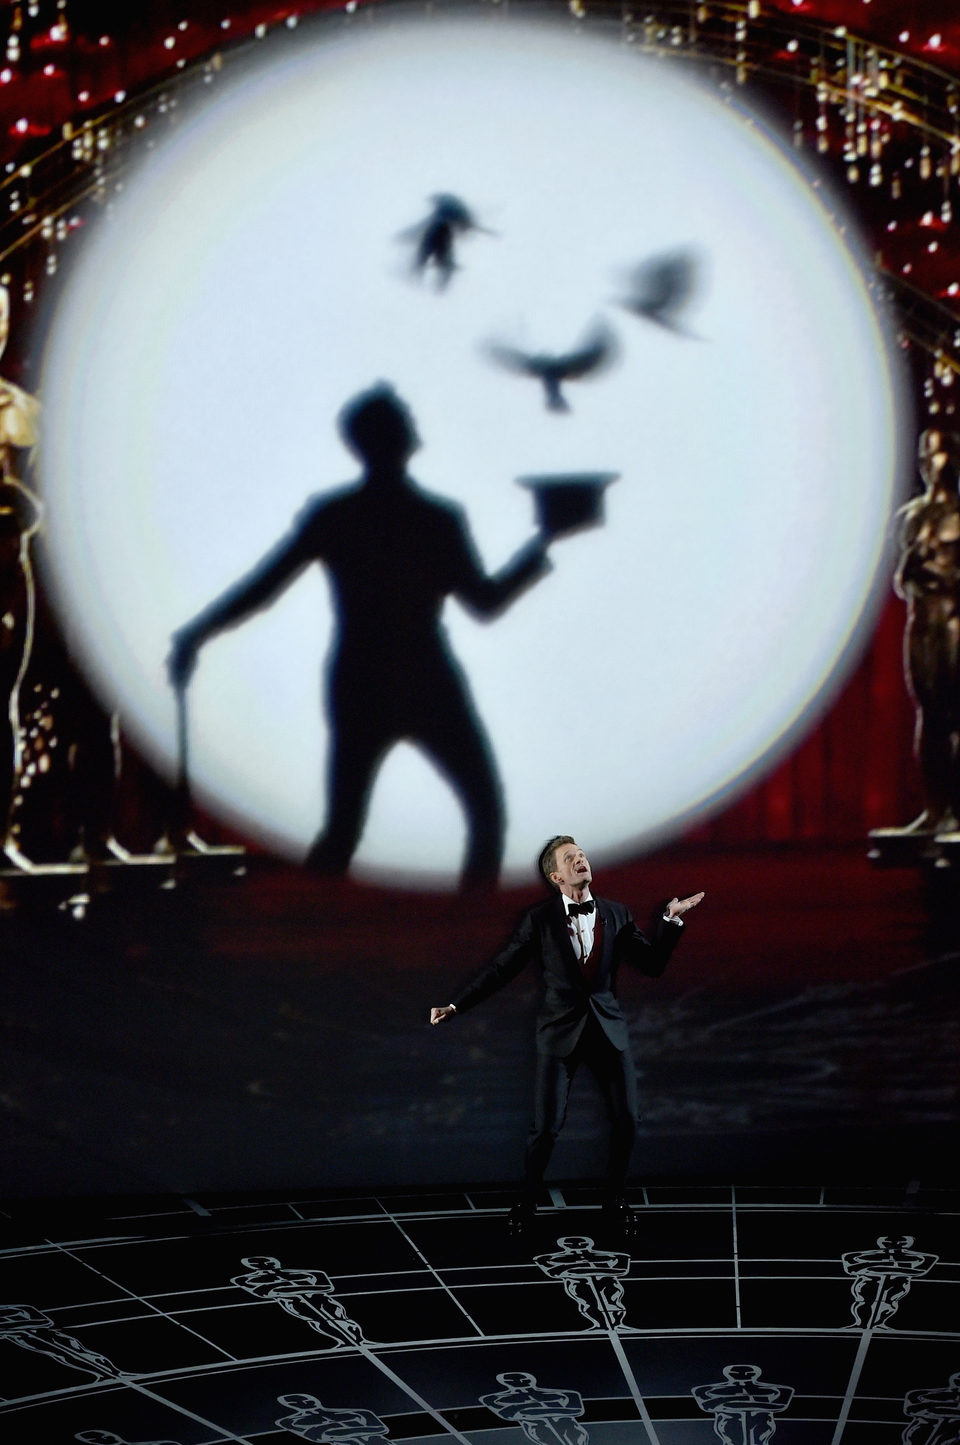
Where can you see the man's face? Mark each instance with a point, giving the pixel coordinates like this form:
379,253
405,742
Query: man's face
571,870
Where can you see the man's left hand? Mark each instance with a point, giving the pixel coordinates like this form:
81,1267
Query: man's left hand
677,906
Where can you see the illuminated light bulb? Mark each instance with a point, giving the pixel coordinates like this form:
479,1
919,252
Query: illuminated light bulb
925,163
22,125
904,36
83,97
260,31
292,21
953,289
935,41
933,246
169,42
49,70
753,9
891,225
840,32
907,267
946,213
58,31
927,218
120,96
183,25
793,46
104,40
225,24
876,175
6,76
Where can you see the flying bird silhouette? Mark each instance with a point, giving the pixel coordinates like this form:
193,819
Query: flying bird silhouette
434,237
595,353
661,288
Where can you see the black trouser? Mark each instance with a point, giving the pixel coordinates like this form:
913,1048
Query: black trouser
439,717
614,1072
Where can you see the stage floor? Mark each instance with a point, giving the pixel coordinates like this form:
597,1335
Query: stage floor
418,1317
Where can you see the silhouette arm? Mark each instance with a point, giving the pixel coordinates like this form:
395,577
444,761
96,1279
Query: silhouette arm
487,596
253,592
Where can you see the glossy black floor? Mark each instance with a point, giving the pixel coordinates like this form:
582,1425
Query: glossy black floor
740,1313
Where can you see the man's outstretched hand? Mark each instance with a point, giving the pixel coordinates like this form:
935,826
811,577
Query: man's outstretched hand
438,1015
676,906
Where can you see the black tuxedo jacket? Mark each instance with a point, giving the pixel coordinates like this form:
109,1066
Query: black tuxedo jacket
567,996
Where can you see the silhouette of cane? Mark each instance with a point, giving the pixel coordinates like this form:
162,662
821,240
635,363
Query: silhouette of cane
181,794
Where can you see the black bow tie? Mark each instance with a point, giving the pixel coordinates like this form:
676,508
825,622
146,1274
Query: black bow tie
581,907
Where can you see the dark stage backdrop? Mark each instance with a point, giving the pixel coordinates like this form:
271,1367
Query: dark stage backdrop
268,1033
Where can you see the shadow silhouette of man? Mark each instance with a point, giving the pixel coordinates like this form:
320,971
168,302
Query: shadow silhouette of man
394,553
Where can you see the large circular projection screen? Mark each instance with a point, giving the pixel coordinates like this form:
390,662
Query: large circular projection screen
261,267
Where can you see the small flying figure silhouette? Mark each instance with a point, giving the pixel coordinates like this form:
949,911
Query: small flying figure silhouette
660,289
595,353
434,237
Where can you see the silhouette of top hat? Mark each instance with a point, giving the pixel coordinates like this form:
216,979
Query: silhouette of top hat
564,502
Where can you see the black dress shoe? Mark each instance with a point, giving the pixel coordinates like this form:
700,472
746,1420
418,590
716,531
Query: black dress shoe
520,1216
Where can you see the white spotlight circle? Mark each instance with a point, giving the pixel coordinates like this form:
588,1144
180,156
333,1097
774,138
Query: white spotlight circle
254,275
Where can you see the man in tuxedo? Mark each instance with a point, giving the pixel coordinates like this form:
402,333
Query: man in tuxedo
577,943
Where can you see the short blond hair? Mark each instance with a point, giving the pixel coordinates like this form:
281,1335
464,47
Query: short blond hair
547,861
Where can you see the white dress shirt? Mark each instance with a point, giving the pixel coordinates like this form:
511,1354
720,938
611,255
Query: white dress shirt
580,926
